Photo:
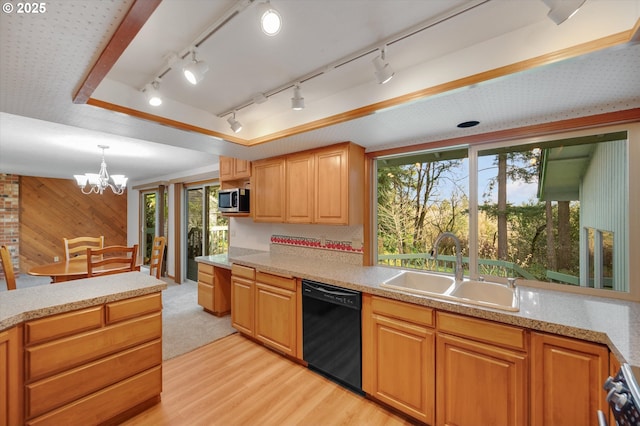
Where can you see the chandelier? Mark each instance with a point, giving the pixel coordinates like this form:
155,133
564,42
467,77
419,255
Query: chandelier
98,182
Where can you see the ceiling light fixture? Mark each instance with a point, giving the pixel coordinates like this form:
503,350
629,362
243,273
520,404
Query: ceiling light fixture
98,182
383,72
236,126
195,70
561,10
270,19
297,102
153,94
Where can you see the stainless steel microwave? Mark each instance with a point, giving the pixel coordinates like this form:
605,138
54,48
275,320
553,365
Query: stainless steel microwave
233,200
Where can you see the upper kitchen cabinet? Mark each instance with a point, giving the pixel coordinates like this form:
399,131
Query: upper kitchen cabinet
234,172
321,186
268,190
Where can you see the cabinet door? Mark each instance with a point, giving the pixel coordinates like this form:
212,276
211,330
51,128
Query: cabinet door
276,317
479,384
242,315
300,188
567,377
226,168
402,366
332,187
268,190
10,378
242,169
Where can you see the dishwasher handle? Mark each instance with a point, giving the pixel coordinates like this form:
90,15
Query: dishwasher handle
331,294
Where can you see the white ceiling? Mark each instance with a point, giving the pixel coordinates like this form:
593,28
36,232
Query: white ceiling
44,60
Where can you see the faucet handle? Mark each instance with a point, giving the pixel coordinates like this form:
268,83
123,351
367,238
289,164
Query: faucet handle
511,282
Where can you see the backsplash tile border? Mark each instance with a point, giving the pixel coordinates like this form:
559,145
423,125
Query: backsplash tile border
316,243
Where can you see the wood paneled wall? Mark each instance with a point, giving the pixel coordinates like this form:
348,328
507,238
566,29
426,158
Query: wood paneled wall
51,209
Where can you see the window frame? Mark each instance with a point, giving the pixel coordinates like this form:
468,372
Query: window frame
632,189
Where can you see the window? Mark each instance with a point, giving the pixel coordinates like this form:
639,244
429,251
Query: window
551,210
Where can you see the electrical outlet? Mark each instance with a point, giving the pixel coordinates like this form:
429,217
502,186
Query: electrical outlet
323,240
56,259
356,243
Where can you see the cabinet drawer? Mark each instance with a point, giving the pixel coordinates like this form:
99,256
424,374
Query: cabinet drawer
205,268
205,295
62,325
288,283
135,307
482,330
53,357
205,277
243,271
107,403
45,395
401,310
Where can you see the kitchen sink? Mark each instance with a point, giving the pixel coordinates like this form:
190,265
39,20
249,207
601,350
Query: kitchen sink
481,293
420,283
489,294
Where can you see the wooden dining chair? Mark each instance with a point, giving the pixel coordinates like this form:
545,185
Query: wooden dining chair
157,255
7,266
111,260
77,247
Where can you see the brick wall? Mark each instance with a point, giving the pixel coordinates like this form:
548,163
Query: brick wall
9,216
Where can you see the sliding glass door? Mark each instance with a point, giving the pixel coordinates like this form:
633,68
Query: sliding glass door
206,229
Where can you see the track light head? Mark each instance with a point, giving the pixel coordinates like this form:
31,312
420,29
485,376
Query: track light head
297,102
153,94
236,126
383,71
270,19
561,10
195,70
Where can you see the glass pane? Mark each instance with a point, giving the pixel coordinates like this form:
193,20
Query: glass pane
535,199
194,218
216,241
421,196
149,212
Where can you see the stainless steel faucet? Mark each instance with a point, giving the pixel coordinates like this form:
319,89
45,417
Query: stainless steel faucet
459,274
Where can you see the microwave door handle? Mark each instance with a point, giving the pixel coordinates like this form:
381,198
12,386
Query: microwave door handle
234,199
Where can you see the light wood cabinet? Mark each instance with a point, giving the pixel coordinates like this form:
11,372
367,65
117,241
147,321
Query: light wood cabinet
567,377
234,168
300,175
214,289
322,186
482,372
10,378
92,365
276,312
242,298
268,190
398,362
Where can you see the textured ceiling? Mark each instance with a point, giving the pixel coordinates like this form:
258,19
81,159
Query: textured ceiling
45,58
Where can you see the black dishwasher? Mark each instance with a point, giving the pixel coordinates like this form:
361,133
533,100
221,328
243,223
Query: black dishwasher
331,338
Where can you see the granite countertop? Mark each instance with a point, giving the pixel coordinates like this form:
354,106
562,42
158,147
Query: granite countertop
222,260
615,323
30,303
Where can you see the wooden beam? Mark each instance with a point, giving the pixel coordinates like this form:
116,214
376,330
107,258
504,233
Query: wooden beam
136,17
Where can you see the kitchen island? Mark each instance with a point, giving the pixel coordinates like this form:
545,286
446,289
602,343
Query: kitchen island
81,352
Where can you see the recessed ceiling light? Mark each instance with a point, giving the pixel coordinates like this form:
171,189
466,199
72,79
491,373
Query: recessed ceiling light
466,124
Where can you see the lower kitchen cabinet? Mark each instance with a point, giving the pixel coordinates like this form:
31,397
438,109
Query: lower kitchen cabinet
276,312
482,372
398,363
92,365
567,377
214,289
10,377
242,299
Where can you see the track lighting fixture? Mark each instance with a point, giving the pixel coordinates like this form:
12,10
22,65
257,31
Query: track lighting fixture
153,94
270,19
561,10
236,126
383,72
195,70
297,102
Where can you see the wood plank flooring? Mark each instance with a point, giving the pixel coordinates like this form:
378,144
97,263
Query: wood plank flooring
234,381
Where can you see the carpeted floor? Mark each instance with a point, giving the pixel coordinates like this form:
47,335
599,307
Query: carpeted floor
185,326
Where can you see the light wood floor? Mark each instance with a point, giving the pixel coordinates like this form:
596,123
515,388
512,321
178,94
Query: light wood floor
234,381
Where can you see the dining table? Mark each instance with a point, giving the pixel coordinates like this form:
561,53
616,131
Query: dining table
72,269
